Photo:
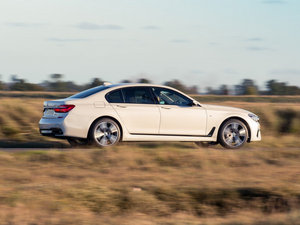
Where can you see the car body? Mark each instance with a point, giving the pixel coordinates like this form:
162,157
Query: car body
145,112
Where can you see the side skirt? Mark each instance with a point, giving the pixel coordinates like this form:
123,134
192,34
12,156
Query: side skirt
170,137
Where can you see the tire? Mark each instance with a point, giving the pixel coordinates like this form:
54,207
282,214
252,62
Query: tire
233,134
77,142
105,132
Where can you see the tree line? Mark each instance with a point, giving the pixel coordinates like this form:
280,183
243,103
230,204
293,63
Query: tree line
245,87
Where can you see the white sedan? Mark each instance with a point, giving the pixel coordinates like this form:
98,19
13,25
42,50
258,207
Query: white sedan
108,114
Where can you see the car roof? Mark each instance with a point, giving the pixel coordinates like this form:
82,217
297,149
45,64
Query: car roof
136,85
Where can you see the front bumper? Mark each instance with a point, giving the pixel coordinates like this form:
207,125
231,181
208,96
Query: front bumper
255,131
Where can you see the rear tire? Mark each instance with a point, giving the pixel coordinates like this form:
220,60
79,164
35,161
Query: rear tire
105,132
233,134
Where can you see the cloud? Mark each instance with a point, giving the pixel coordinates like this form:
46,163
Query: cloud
179,41
254,39
256,48
273,1
61,40
151,27
93,26
21,24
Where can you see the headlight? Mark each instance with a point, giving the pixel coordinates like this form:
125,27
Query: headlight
254,117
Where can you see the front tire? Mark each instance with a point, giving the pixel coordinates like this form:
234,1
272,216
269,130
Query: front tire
105,132
233,134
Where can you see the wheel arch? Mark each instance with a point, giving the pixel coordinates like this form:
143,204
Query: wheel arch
108,117
237,118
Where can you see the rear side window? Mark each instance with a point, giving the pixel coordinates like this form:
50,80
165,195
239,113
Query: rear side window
115,97
138,95
91,91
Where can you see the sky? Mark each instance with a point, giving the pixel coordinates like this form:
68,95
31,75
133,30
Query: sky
201,42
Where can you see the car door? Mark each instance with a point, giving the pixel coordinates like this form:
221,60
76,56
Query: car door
179,116
137,109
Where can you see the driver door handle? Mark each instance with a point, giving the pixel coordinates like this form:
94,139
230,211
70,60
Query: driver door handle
164,107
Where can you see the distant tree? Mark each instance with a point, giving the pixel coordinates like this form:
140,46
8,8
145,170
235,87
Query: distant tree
180,86
1,83
96,82
223,90
71,86
209,91
56,84
176,84
14,78
293,90
144,81
280,88
126,81
56,76
63,86
193,90
22,85
247,87
251,90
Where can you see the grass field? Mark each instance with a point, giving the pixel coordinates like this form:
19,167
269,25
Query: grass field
149,183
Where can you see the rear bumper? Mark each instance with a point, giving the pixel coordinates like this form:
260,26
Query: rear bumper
52,127
63,127
52,132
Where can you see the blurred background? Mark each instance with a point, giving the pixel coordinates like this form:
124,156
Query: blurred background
235,53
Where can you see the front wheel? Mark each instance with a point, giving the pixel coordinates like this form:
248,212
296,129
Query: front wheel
105,132
233,134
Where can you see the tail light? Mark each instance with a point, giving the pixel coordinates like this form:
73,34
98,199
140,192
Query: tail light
64,108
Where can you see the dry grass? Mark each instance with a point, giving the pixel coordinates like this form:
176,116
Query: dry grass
19,120
150,185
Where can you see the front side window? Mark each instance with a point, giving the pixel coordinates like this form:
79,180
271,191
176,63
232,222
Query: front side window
115,96
169,97
138,95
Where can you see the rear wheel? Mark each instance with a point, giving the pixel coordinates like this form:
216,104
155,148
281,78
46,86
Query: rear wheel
105,132
233,134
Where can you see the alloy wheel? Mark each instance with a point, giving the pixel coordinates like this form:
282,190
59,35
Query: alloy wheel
106,133
235,134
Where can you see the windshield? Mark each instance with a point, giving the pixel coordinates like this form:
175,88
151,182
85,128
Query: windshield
91,91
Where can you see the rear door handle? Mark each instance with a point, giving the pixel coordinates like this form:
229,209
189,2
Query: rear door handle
121,106
163,107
